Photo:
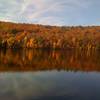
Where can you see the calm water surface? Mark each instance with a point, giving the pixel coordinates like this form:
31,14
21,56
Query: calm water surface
49,75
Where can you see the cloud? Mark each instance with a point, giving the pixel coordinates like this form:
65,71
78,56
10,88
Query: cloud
51,12
51,21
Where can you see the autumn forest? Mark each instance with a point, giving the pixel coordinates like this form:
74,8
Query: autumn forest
15,35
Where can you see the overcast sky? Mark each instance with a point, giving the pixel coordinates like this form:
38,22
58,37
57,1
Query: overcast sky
52,12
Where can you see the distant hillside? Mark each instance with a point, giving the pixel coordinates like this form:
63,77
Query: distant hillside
14,35
8,27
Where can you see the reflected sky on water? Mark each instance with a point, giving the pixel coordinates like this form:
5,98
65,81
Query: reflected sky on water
50,85
49,75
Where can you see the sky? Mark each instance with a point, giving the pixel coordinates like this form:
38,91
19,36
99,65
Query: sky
51,12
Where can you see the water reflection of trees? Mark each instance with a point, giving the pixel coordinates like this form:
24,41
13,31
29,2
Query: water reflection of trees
33,60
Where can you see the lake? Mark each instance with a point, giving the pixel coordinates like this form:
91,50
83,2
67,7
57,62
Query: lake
49,75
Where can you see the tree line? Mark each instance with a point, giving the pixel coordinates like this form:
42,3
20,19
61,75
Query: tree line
17,35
